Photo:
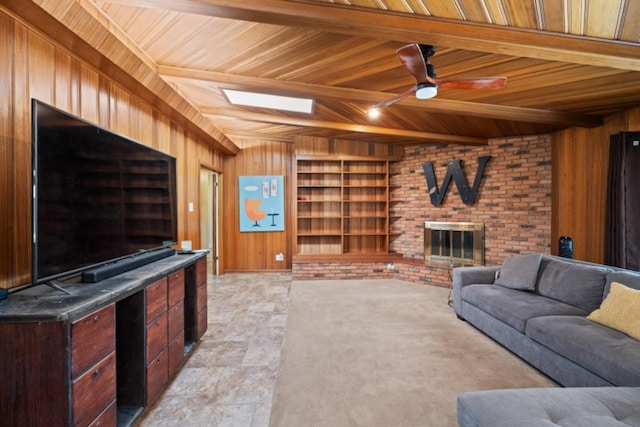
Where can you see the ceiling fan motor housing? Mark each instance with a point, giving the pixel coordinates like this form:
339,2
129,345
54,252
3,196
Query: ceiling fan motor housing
426,90
431,70
427,50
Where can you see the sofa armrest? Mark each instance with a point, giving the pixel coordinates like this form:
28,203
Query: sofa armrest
474,275
463,276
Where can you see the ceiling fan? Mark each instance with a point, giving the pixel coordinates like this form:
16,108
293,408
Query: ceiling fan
415,57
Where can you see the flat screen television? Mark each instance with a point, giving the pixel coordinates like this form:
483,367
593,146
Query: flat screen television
98,197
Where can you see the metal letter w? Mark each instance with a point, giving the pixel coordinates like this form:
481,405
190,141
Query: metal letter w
454,169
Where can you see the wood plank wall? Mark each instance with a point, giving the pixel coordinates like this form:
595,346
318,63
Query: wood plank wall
256,251
580,165
33,66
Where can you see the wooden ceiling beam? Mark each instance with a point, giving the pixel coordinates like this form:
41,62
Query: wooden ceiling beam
350,127
436,105
408,28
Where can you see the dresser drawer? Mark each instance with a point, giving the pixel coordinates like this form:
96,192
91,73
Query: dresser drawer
176,353
92,338
93,391
156,299
156,337
157,375
176,320
176,287
108,417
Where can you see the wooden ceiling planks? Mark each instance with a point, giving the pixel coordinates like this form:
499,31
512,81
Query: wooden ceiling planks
551,14
393,26
342,53
522,14
198,84
594,18
630,30
601,18
444,9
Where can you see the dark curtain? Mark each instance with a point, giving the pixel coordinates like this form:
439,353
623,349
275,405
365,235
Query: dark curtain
622,232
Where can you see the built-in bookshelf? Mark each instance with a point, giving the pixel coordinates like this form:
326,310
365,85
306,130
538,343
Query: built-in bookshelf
342,206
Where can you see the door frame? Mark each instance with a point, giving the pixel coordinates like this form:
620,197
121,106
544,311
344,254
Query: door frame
210,217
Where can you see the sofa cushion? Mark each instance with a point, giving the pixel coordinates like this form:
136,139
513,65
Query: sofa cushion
608,353
537,407
620,310
520,272
515,307
578,285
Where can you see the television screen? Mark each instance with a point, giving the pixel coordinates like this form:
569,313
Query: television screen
97,197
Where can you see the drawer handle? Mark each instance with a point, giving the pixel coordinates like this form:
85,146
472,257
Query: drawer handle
97,372
157,323
96,318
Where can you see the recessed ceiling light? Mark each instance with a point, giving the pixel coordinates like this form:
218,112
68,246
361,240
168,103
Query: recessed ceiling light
276,102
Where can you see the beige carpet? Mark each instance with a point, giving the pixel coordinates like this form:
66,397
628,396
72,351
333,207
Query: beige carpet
383,353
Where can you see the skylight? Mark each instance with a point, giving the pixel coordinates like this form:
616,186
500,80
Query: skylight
276,102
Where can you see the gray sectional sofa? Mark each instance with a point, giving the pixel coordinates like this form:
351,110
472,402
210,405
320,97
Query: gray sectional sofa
537,306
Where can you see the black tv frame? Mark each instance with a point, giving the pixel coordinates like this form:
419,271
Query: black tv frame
105,268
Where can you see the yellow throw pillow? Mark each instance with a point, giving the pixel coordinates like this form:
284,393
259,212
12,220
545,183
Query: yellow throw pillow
620,310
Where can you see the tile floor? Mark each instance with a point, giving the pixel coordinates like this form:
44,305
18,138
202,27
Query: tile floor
230,378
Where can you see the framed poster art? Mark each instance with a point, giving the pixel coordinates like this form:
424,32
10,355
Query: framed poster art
261,203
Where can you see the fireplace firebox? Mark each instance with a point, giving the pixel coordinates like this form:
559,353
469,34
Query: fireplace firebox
459,243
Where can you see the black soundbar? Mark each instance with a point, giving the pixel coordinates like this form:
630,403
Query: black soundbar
109,270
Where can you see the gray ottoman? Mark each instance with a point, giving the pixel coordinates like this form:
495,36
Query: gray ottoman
567,407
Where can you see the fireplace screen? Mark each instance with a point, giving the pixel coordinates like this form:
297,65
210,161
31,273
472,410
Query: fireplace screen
454,242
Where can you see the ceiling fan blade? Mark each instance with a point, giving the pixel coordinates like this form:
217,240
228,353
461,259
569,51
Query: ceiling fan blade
473,83
411,57
395,99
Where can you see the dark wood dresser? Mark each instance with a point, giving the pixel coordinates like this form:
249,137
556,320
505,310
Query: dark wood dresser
101,355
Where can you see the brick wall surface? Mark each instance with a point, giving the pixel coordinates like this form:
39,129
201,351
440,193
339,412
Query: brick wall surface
513,201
